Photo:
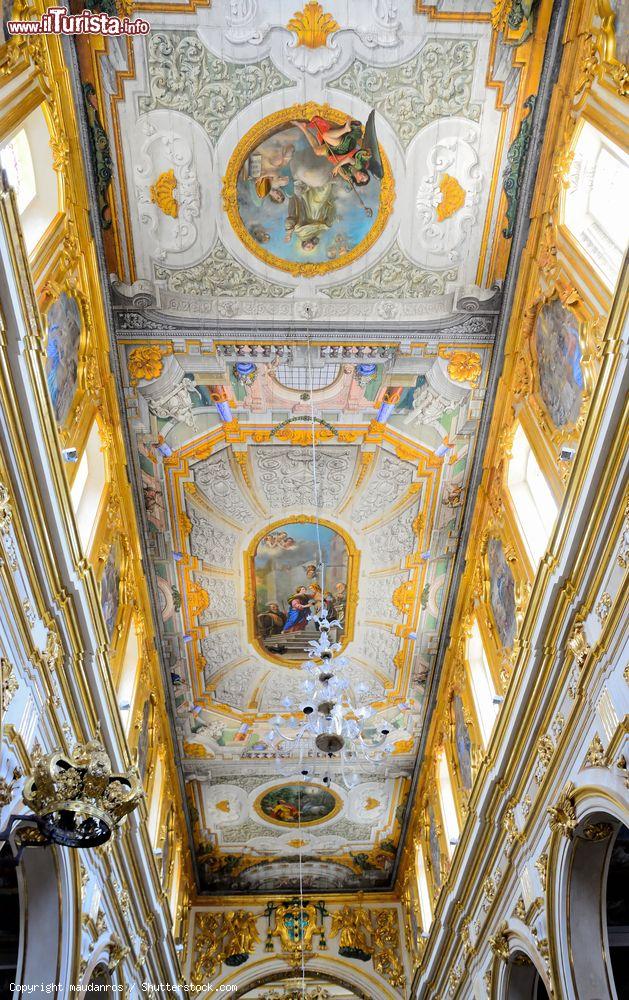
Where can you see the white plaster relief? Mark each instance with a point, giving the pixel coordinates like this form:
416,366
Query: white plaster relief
383,488
284,474
219,649
208,542
223,600
394,540
233,689
214,476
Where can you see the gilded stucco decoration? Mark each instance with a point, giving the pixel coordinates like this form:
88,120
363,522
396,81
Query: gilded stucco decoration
562,815
464,366
9,683
145,363
163,193
515,18
312,25
452,197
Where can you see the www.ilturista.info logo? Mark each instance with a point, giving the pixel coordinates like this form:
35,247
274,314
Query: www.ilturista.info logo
57,21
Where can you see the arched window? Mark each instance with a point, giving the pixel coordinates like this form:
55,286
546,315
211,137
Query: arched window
88,485
448,805
27,158
596,209
18,162
423,891
128,673
534,503
156,801
483,689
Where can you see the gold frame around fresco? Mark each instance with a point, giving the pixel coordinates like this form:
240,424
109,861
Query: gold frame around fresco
338,805
353,560
248,143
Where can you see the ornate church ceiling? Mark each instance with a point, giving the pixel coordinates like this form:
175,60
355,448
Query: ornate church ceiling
305,219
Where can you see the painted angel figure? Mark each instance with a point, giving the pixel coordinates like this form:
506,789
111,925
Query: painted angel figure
352,150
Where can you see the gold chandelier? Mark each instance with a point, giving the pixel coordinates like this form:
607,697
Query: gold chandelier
76,799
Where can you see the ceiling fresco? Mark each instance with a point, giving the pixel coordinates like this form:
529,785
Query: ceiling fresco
335,162
222,436
303,234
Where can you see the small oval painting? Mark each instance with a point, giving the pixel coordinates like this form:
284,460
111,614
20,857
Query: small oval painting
298,805
501,592
309,189
63,321
559,362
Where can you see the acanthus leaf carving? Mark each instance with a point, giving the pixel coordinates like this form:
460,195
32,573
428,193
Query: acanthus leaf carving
563,815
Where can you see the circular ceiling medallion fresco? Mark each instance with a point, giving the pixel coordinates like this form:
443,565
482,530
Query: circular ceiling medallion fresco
297,804
309,189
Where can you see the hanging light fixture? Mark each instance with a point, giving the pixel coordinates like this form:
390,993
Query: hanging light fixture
329,730
77,800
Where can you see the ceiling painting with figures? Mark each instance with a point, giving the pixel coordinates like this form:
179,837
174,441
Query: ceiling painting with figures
296,568
308,189
307,232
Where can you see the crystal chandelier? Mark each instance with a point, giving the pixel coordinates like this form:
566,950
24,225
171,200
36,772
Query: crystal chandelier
328,727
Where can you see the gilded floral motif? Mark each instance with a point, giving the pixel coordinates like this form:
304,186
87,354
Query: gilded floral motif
145,363
198,599
453,197
312,25
464,366
563,815
162,193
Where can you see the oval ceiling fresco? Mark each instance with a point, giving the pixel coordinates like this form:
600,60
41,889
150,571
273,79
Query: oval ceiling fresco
298,804
309,189
285,579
